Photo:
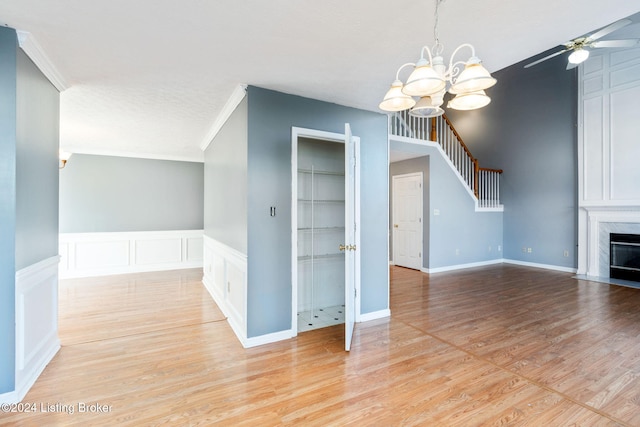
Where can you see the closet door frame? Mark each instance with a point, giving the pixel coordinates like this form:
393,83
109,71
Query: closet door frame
297,133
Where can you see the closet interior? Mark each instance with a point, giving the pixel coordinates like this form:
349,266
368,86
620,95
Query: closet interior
321,216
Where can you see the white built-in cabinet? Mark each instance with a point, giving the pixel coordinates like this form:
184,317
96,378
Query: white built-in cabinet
320,232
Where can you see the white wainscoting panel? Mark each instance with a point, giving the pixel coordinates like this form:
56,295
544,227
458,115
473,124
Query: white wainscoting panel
36,322
225,277
98,254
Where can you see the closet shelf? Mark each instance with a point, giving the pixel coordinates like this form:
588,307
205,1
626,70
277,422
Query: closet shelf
321,229
320,172
320,201
318,257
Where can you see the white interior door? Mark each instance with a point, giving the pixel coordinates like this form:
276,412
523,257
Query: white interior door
407,220
352,237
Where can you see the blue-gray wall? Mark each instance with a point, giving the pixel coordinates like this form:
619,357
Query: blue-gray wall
225,182
110,194
415,165
270,119
459,234
8,60
29,117
529,131
38,106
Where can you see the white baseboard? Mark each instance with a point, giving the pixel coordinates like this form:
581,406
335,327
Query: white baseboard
499,261
461,266
100,254
37,342
380,314
268,338
543,266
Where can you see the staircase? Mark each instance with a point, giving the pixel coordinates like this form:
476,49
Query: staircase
482,183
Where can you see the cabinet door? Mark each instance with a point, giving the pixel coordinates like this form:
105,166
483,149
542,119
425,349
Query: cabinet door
352,238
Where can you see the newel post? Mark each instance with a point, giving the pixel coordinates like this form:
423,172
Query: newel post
434,134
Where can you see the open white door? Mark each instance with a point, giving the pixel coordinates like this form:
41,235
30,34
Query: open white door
351,246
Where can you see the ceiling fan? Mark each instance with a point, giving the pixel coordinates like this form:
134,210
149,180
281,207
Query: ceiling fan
581,45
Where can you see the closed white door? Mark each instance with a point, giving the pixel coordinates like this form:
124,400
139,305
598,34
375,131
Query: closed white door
407,220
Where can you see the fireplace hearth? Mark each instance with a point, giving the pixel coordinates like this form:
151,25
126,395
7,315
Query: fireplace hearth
624,256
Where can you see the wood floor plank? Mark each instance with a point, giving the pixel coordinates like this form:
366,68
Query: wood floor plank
499,346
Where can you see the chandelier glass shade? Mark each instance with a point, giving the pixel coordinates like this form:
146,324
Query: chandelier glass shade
430,78
395,99
425,108
469,101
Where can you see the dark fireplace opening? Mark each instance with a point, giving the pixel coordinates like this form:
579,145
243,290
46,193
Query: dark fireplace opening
624,256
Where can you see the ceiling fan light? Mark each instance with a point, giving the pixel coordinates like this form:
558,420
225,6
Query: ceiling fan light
395,99
578,56
469,101
473,78
423,81
425,108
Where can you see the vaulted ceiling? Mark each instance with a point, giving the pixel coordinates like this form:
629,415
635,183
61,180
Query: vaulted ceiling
149,77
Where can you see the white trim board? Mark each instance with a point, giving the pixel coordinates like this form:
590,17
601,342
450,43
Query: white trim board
35,52
99,254
230,106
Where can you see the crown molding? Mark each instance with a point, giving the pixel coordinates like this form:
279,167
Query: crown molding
34,51
236,97
195,158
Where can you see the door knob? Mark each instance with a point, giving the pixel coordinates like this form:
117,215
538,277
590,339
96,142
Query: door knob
395,225
342,247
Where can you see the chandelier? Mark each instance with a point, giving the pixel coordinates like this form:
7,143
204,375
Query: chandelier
430,79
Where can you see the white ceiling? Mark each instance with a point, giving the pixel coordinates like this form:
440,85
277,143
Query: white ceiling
149,77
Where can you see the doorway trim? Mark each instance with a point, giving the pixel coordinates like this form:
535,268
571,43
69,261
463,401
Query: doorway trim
296,133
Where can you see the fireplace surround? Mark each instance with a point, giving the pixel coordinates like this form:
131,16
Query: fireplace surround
596,223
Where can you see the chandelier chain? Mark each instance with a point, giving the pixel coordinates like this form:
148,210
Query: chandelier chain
437,47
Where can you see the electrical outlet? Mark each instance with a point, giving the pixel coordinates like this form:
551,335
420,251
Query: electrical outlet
566,254
529,250
436,212
499,248
489,248
457,251
524,249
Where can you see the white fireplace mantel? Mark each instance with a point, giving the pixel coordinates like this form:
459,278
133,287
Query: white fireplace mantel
595,224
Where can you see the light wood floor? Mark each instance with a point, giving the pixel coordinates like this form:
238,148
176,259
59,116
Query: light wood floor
499,345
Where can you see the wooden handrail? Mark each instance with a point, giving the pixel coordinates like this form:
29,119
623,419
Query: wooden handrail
491,170
429,130
455,132
476,168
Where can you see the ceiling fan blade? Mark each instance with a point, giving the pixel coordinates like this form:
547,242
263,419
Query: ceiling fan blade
609,29
546,57
615,43
571,65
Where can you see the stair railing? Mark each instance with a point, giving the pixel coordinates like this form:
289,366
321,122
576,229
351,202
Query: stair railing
484,182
